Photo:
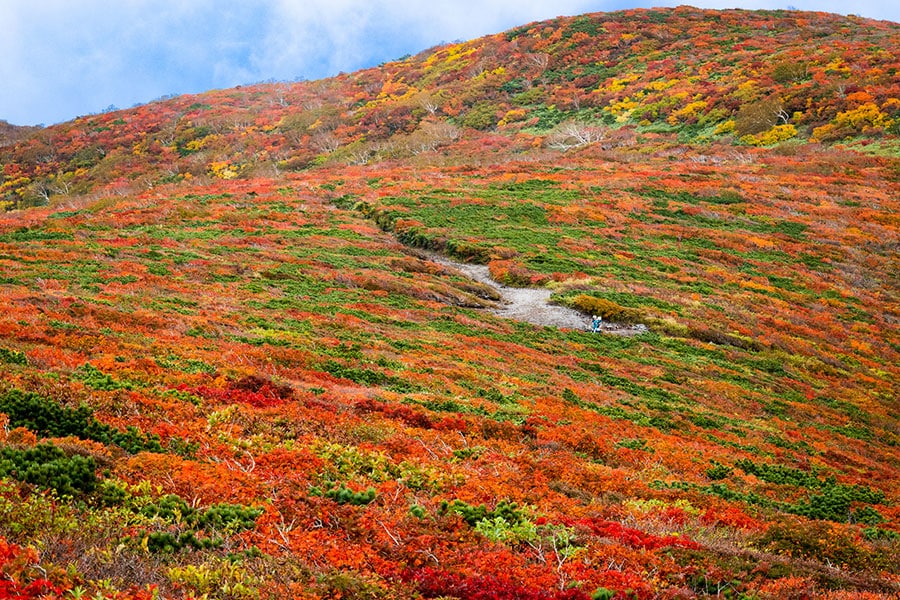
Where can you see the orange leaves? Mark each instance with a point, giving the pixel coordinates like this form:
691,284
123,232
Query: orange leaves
299,347
574,213
731,516
512,272
202,483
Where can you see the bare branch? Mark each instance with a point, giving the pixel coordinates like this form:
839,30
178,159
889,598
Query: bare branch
574,134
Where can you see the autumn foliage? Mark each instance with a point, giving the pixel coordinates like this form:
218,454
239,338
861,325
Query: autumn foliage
233,366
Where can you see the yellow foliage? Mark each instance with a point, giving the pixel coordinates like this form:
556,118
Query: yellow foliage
195,145
621,108
449,54
689,111
866,115
661,84
725,128
15,184
822,133
512,116
457,52
891,103
748,89
777,134
858,120
838,67
223,170
486,74
617,85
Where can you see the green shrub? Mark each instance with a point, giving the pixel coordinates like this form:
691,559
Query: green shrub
47,418
831,501
499,530
112,493
610,311
49,467
481,116
780,474
169,543
874,534
13,357
835,504
368,377
216,517
96,379
344,495
472,452
634,444
508,511
571,397
815,540
717,472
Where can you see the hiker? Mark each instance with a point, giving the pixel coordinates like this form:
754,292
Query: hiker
595,323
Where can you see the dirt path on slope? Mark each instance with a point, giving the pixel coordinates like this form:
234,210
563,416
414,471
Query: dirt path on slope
532,305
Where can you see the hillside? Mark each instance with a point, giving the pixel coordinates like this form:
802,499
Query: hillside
10,134
235,364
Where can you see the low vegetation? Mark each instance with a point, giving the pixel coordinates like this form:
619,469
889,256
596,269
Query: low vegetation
230,369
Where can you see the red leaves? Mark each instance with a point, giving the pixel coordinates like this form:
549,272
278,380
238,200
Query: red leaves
435,583
412,416
39,588
251,390
279,276
11,586
631,537
401,412
512,272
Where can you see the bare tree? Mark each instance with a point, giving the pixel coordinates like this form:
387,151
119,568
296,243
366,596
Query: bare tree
40,191
432,135
428,103
325,141
760,116
539,59
574,134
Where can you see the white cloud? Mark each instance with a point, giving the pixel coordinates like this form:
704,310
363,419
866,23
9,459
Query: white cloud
320,37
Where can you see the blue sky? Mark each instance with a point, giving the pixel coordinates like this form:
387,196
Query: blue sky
60,59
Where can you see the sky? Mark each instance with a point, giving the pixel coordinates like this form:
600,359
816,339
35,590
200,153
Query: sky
60,59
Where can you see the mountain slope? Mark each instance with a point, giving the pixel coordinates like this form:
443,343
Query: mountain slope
231,367
699,76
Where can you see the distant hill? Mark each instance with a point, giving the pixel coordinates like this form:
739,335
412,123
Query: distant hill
10,134
738,77
237,360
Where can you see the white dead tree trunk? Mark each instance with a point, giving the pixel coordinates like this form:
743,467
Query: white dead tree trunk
574,134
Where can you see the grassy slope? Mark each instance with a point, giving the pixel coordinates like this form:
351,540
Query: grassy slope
282,344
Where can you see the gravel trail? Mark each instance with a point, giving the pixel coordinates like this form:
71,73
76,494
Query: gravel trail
532,305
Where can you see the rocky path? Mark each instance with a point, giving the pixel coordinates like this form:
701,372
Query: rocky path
532,305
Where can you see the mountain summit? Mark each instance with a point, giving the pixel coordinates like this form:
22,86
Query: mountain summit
266,342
